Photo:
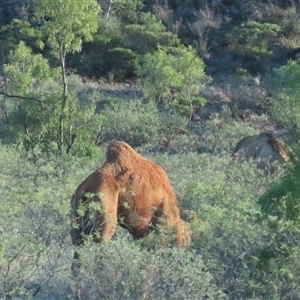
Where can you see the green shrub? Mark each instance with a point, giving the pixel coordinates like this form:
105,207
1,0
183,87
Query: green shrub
236,249
253,38
280,212
171,125
282,199
285,90
173,75
253,43
35,246
226,232
37,122
123,270
135,122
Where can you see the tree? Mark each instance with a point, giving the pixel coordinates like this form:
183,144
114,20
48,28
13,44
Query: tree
66,24
253,42
254,38
25,116
173,75
33,105
127,32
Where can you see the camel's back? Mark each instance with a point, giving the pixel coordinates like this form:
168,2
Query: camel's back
249,147
244,143
137,175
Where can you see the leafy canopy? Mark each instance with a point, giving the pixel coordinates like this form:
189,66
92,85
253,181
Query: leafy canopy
67,22
174,75
254,38
24,66
165,72
33,118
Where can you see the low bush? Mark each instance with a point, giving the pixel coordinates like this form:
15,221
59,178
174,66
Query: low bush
122,269
222,133
135,122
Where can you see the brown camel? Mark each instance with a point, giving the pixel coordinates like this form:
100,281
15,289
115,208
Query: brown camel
264,148
129,190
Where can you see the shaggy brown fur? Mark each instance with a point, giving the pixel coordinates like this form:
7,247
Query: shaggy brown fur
263,147
133,191
280,148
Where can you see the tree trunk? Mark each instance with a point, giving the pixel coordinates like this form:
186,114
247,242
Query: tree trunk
62,56
189,98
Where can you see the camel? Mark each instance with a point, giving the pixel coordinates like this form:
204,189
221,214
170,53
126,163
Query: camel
264,148
131,191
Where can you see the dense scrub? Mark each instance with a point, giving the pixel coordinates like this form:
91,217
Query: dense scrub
199,76
227,259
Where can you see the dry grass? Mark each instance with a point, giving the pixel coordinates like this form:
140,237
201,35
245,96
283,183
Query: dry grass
166,14
206,20
288,18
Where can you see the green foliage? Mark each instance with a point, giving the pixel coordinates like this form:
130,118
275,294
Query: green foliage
125,33
171,125
33,121
19,30
167,273
62,117
187,108
134,122
69,23
121,62
127,10
282,200
173,75
231,254
280,212
141,30
254,38
32,215
285,89
158,76
25,72
246,229
148,33
226,232
24,67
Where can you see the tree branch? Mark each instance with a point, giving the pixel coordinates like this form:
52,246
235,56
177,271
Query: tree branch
71,142
23,98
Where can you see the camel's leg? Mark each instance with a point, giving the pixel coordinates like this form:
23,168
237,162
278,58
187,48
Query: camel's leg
105,226
170,219
169,214
77,240
109,219
183,234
